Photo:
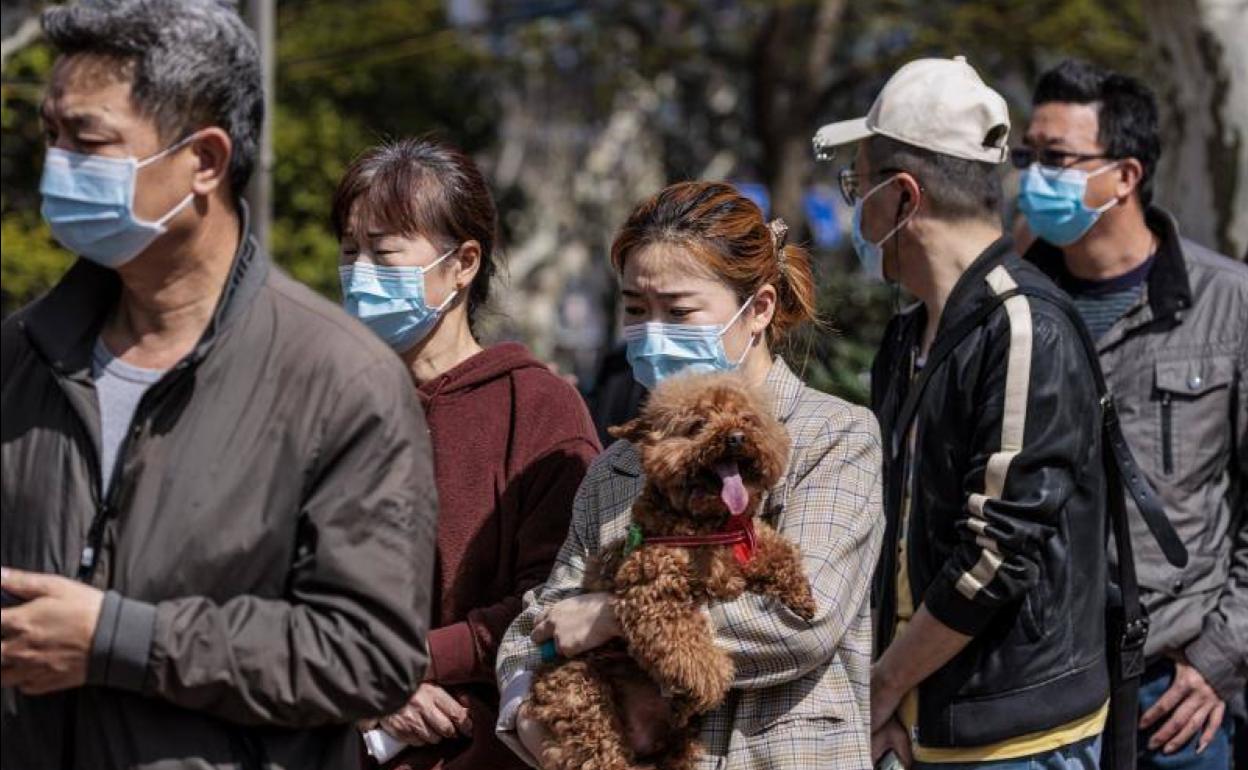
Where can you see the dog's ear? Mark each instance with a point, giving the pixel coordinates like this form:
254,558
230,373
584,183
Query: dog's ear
633,431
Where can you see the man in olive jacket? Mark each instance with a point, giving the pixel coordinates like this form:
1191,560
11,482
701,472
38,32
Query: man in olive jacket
217,506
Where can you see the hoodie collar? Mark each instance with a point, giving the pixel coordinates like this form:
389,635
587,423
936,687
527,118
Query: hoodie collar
785,389
64,325
1169,289
490,364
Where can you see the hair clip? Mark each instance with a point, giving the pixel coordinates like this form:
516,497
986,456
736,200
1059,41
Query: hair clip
779,234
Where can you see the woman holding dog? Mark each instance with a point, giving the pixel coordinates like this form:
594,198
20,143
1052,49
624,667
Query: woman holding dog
708,285
511,440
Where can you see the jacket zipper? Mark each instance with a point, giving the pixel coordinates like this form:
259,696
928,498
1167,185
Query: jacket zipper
1167,431
105,507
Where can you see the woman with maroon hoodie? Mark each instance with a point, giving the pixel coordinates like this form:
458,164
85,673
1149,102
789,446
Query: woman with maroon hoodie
511,440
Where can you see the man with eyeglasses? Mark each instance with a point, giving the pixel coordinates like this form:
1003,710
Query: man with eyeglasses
1171,322
990,594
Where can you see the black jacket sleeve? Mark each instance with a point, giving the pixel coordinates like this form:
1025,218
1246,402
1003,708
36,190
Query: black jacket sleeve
1034,432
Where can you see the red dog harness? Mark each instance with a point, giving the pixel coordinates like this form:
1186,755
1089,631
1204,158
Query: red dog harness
738,532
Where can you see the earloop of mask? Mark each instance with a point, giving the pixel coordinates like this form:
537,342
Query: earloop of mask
455,292
170,149
732,321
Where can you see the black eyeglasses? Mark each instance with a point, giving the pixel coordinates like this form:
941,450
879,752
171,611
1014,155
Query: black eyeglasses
1022,157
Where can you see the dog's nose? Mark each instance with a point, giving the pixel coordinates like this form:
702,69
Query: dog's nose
736,439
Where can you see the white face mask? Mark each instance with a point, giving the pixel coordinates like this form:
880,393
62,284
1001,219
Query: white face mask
88,202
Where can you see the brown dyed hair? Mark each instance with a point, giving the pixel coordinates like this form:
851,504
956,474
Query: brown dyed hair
725,231
422,186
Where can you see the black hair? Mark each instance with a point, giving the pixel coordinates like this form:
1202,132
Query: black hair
955,188
1126,112
193,64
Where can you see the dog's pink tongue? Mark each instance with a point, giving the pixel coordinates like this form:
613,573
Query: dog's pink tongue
733,493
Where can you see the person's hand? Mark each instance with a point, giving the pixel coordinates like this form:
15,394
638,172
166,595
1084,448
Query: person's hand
532,733
47,640
884,699
891,737
577,624
430,716
1191,704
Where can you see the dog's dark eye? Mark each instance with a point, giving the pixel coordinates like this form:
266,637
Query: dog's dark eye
695,427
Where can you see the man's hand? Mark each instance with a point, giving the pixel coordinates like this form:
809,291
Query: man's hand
891,737
578,624
47,640
1191,704
430,716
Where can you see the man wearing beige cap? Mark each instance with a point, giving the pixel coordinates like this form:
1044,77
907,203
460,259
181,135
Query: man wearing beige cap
990,635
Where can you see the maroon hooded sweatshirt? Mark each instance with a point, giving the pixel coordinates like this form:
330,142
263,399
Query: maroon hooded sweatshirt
511,443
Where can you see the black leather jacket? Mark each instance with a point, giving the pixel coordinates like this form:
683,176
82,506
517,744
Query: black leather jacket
1007,526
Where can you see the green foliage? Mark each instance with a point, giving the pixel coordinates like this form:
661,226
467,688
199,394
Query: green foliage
835,355
31,262
350,75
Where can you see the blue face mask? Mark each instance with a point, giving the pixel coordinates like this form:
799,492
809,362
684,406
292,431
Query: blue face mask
1051,199
391,301
88,202
658,350
871,253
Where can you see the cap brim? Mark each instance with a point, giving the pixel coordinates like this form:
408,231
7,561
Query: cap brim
836,135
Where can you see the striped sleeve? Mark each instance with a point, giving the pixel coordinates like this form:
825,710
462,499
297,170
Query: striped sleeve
1030,440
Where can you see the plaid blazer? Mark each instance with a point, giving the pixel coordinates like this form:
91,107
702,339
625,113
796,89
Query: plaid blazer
801,695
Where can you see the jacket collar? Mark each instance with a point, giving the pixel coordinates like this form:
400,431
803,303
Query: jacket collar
1169,289
971,285
64,324
781,382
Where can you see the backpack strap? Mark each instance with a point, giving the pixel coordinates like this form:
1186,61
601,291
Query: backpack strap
1119,462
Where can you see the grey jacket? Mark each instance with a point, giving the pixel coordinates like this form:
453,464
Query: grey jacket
1177,365
266,542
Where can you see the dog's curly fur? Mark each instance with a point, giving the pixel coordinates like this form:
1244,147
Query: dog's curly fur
636,703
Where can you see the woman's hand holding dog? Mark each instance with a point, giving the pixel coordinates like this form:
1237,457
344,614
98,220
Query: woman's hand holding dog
430,716
578,624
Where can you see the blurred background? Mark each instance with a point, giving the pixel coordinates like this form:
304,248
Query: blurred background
577,110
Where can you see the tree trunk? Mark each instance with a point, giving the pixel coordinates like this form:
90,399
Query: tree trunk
793,66
1202,84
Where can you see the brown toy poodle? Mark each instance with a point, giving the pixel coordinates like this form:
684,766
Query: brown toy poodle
710,449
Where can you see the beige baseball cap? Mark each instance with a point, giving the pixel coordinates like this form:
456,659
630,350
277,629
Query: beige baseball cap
937,104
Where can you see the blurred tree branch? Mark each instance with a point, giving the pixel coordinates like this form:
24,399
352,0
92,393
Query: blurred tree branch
20,28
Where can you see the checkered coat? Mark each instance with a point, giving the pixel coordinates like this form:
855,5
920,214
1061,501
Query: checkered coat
801,694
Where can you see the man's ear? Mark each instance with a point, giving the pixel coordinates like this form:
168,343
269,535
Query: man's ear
212,149
911,196
1129,178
